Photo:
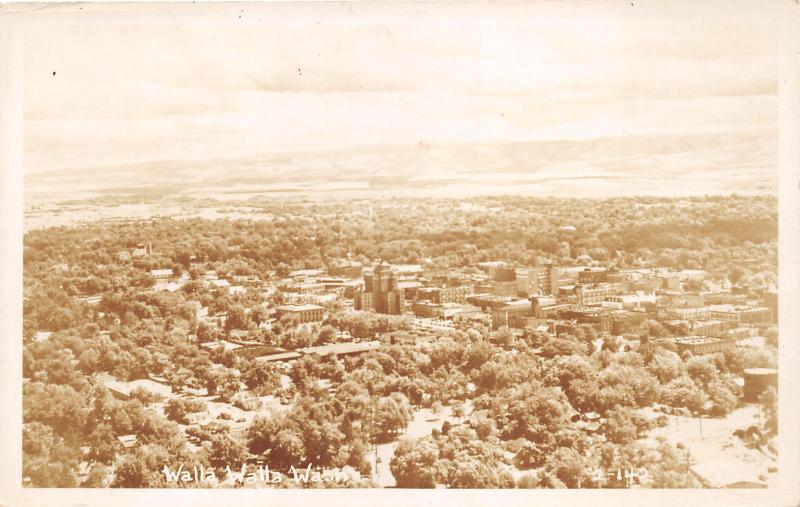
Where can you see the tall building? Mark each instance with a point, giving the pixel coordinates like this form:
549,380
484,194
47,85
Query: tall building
538,281
380,292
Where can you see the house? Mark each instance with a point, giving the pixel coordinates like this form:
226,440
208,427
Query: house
127,441
141,250
123,390
161,273
215,283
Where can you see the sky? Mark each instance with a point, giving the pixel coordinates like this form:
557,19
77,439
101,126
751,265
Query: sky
108,85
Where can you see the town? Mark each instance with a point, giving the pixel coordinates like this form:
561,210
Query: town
493,342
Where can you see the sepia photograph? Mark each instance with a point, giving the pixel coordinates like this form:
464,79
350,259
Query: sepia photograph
405,246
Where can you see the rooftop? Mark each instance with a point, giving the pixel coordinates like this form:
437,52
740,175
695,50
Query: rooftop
341,348
299,308
127,387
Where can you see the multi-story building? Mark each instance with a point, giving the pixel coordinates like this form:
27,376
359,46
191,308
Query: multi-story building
598,318
623,321
593,275
593,294
635,302
346,268
442,295
742,314
306,313
703,344
689,312
537,281
381,293
519,308
488,302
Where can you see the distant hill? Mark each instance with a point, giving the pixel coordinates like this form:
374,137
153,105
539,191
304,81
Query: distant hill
744,162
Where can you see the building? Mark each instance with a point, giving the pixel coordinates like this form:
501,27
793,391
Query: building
305,313
629,301
593,275
127,441
141,250
488,302
432,325
407,271
703,344
689,312
490,267
122,390
742,314
442,295
510,310
381,292
546,308
623,321
302,298
504,288
341,349
161,273
593,294
599,318
279,357
537,281
403,337
346,268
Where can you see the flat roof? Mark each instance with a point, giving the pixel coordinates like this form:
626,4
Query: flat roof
341,348
298,308
127,387
281,356
226,345
696,339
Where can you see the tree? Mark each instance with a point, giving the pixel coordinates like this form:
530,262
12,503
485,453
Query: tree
457,409
206,333
393,414
769,410
529,456
46,458
327,334
619,427
143,468
224,383
226,450
665,365
177,409
260,376
565,468
562,347
683,392
237,318
702,370
722,399
288,449
415,464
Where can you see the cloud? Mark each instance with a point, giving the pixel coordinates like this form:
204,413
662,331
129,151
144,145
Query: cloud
162,82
